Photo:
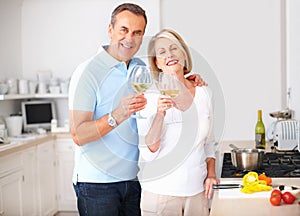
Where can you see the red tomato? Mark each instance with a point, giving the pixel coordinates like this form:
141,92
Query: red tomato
288,198
275,200
276,193
275,197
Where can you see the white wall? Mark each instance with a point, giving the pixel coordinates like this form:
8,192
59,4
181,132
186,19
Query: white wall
241,40
10,39
293,55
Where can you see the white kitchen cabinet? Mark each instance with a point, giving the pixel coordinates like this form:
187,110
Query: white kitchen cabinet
11,179
65,164
29,182
11,194
46,177
37,180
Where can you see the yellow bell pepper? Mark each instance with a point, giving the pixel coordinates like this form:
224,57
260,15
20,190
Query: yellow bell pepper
252,184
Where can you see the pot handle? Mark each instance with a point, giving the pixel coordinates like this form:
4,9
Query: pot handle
233,146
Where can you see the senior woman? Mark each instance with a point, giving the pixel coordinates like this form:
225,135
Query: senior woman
177,151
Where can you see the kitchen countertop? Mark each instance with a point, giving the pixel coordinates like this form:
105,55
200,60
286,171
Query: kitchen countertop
257,205
28,140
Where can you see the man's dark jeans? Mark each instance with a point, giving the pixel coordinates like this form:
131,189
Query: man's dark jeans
109,199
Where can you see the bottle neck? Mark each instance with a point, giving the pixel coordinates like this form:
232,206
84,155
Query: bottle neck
259,115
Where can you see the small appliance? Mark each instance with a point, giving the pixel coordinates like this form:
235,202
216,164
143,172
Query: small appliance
284,133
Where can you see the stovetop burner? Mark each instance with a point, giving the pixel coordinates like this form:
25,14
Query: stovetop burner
294,173
274,165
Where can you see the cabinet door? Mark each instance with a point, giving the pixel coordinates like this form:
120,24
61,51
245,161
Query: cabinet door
46,178
29,184
65,165
11,194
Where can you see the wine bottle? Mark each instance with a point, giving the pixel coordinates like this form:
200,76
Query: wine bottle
260,141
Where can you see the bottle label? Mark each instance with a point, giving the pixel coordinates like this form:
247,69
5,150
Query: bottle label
260,141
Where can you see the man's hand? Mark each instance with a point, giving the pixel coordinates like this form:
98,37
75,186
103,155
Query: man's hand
129,105
197,80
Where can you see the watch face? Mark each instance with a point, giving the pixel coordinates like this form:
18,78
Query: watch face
111,121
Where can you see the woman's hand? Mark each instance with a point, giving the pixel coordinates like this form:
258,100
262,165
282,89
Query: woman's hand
208,184
164,103
197,80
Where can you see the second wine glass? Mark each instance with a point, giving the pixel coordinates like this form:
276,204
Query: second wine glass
168,85
141,80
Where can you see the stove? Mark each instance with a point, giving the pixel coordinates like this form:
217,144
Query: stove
278,165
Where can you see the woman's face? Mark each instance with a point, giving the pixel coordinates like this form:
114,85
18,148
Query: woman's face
169,56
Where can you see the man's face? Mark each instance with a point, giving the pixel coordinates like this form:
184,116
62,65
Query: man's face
126,35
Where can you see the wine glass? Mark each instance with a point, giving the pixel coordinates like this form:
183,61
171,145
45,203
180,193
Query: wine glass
141,80
168,85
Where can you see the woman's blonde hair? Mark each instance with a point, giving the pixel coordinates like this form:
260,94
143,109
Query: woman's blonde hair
174,36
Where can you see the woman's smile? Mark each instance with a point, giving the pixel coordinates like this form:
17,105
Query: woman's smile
172,62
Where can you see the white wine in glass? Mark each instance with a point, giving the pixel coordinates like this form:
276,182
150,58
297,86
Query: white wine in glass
140,87
172,93
141,80
168,84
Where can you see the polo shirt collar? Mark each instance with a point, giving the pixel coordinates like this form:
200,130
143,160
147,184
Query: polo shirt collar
111,62
104,56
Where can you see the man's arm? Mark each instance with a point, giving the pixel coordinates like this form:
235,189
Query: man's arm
85,129
197,80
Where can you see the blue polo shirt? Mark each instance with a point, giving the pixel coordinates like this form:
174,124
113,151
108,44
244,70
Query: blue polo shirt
97,85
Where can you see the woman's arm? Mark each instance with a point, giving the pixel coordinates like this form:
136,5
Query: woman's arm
152,138
211,178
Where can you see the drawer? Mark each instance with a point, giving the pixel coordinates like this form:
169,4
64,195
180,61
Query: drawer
64,145
10,162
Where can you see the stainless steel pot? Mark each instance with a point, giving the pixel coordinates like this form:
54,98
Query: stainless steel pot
247,158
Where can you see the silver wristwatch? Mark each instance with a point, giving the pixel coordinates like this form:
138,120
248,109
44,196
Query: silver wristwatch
111,121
